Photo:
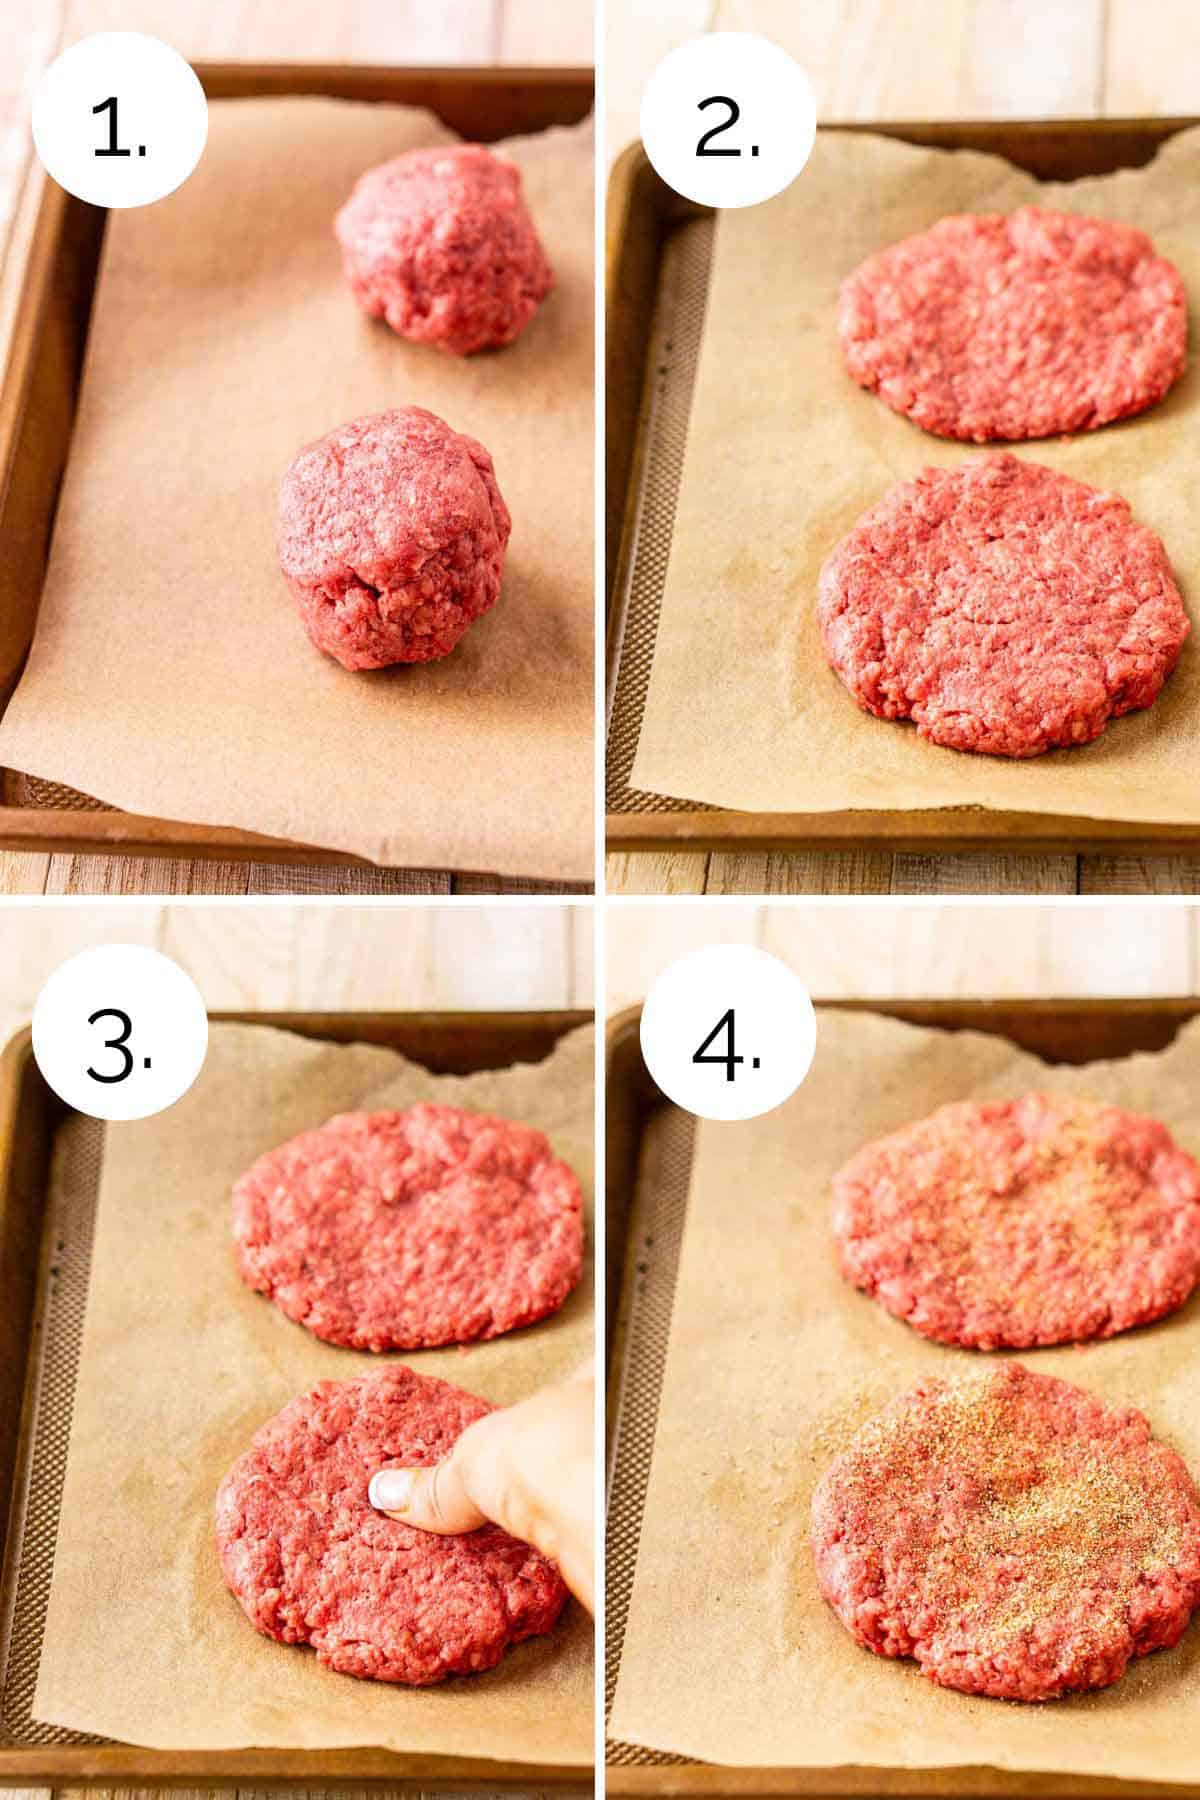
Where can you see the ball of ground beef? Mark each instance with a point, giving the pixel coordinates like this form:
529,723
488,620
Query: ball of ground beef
441,245
392,534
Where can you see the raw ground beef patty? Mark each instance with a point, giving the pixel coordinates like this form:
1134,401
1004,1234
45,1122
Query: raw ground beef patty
1016,1535
440,244
311,1562
1016,326
392,535
1003,608
1011,1223
404,1230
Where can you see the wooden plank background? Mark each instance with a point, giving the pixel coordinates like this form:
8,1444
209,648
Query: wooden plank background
925,59
508,32
274,956
917,950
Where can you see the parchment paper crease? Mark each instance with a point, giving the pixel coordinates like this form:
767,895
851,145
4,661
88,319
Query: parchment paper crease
169,673
785,451
731,1654
180,1365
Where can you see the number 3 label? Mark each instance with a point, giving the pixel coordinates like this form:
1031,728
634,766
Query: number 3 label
728,1032
728,119
119,1043
120,1031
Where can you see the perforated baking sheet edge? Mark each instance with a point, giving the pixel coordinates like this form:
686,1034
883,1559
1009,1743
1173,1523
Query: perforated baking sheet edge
49,1400
676,331
657,1216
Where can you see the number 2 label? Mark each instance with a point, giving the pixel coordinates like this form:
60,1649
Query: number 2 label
728,119
735,112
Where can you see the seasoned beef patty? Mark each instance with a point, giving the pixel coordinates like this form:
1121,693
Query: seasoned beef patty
1016,1535
993,326
1003,608
440,244
1011,1223
310,1561
398,1230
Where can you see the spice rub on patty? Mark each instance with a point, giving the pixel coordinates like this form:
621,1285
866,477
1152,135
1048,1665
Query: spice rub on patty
1002,608
1010,326
1016,1535
1012,1223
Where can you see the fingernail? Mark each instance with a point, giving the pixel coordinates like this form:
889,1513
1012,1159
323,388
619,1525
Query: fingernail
390,1490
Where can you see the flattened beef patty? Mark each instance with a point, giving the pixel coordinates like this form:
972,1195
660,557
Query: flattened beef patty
310,1561
1003,608
1016,1535
994,326
401,1230
1010,1223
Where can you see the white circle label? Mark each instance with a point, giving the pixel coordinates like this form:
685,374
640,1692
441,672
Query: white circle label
120,119
120,1032
728,1032
728,119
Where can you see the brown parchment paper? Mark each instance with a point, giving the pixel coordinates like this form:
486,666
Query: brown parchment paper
774,1361
180,1365
169,674
785,451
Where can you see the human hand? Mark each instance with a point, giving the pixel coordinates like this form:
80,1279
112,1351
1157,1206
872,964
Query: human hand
527,1468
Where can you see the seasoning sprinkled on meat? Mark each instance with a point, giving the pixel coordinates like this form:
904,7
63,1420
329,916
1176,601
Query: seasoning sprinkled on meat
1016,1535
1012,1223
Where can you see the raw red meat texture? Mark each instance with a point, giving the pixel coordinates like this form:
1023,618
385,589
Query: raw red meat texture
392,533
310,1560
1024,325
1002,607
1017,1536
404,1230
440,244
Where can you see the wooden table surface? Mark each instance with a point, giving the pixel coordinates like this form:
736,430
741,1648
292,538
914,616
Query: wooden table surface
925,59
279,957
921,951
512,32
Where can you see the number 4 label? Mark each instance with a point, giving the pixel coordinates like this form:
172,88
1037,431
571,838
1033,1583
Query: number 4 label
725,1024
728,1032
